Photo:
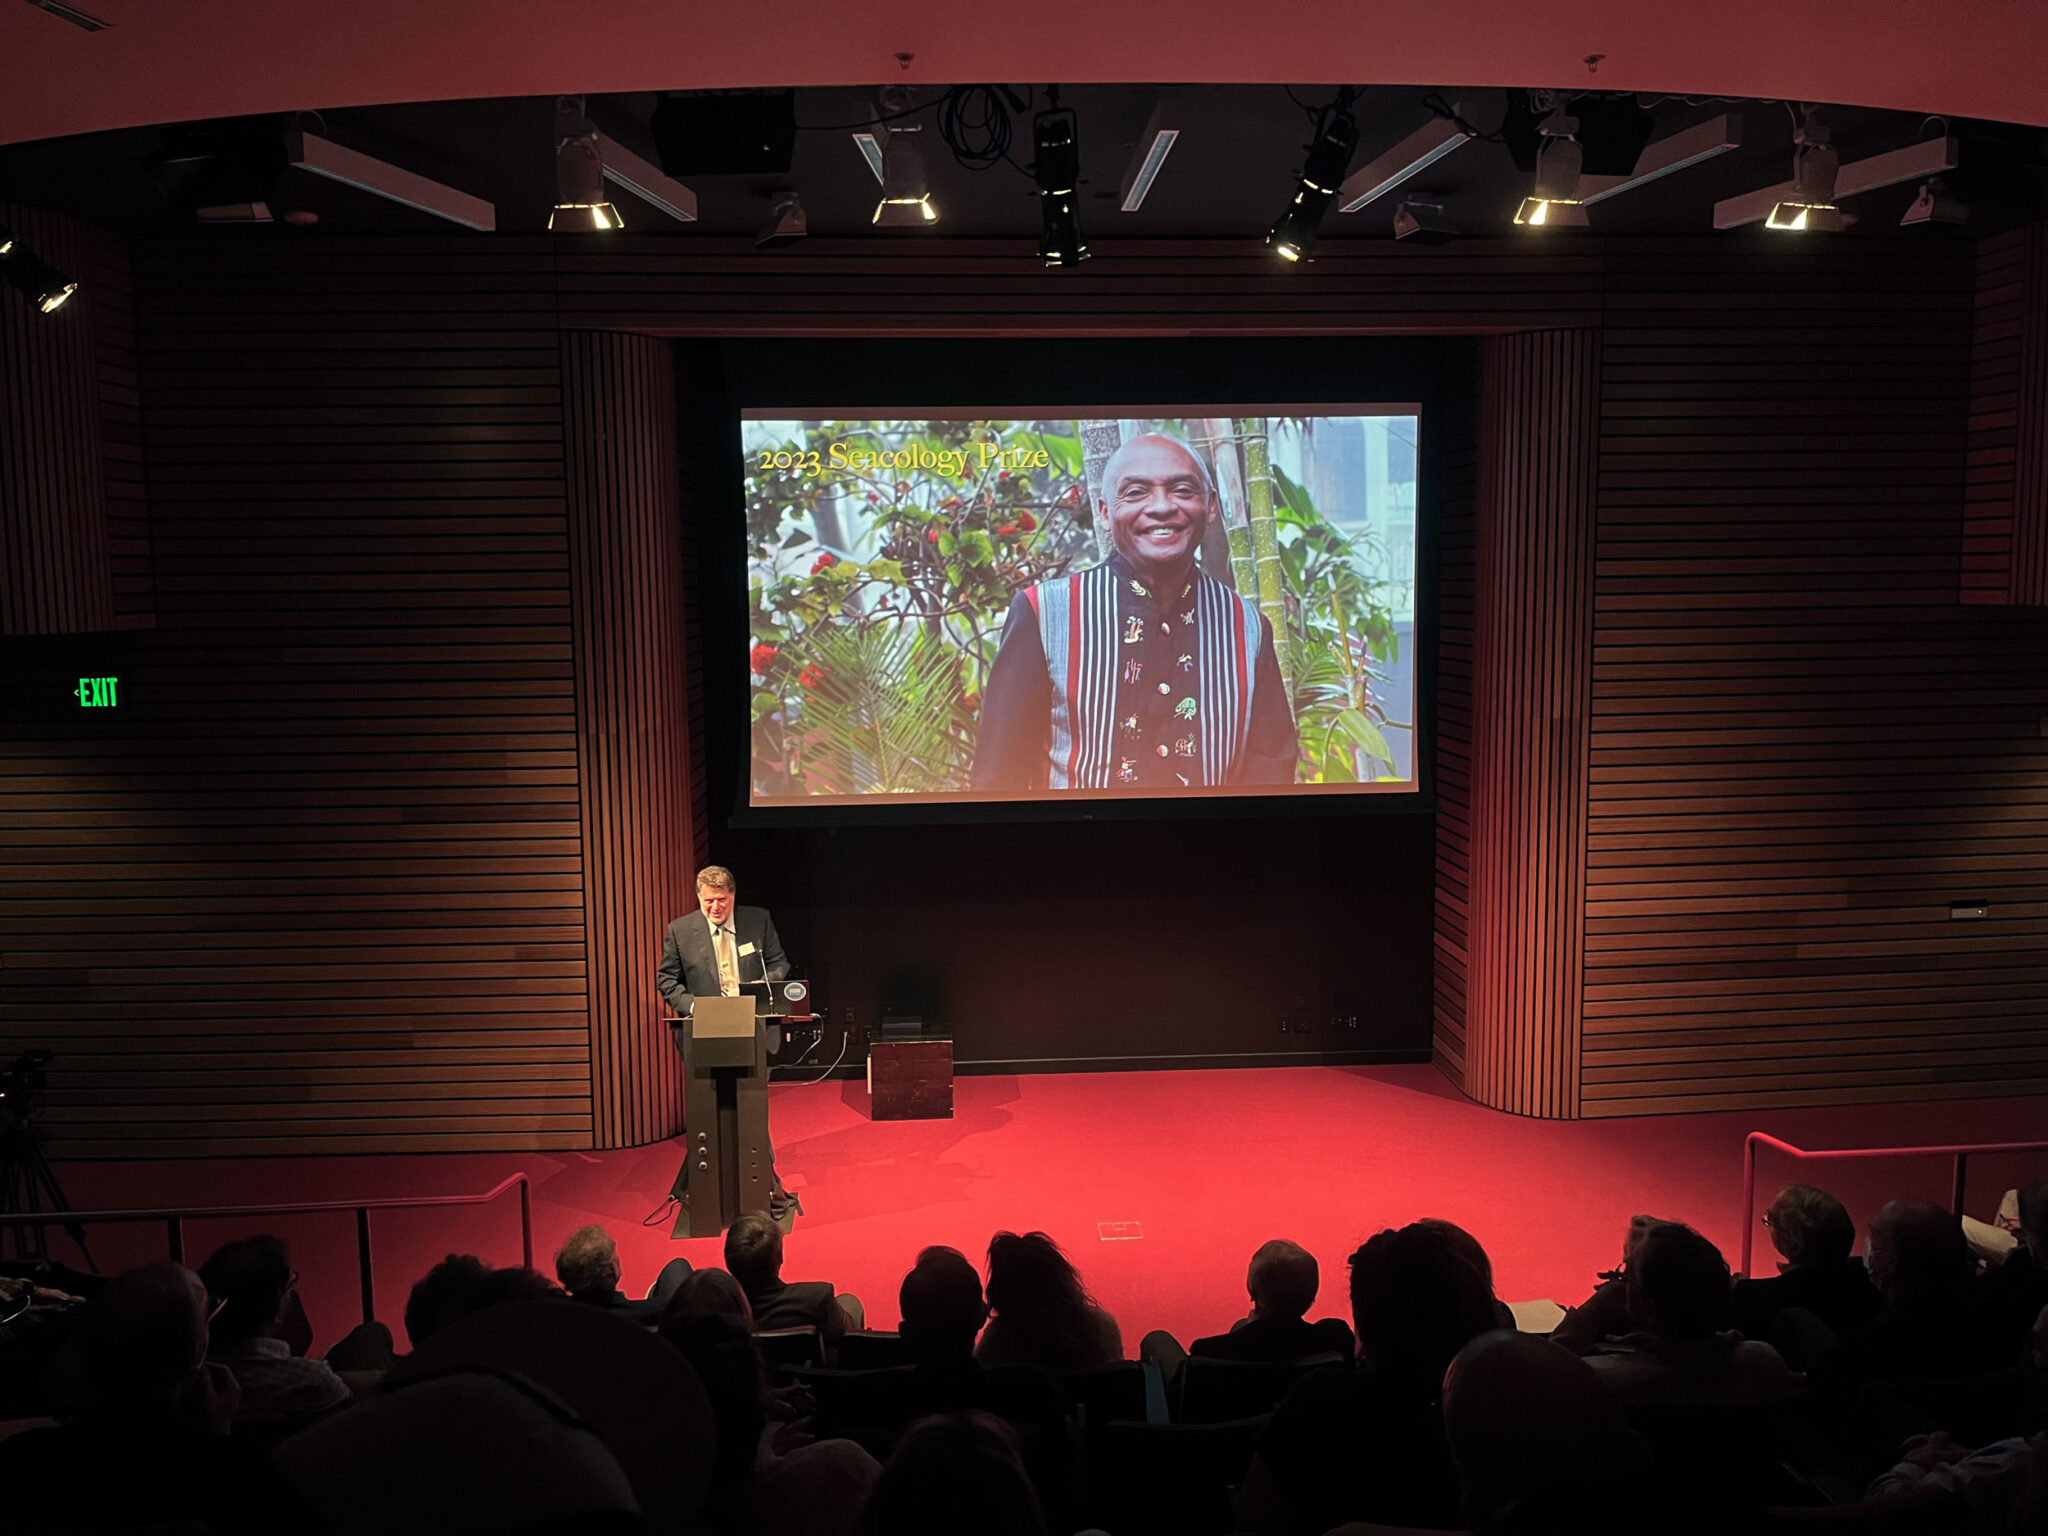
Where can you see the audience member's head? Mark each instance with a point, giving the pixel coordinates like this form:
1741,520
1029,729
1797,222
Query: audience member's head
442,1295
248,1280
728,1363
753,1250
941,1306
951,1473
143,1336
2033,1228
1282,1281
1463,1243
513,1283
708,1293
588,1262
1918,1253
1416,1300
1810,1228
1030,1273
1678,1283
1519,1412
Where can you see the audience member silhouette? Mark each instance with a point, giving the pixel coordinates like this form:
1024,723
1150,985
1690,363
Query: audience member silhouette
1814,1236
442,1295
1281,1280
587,1265
2017,1289
1041,1313
950,1474
753,1256
708,1293
151,1447
1368,1444
251,1284
941,1306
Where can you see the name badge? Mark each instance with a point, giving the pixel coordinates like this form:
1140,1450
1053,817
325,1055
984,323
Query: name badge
746,949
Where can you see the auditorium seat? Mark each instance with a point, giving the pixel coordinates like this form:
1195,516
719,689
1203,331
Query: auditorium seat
785,1347
1219,1391
1115,1392
1170,1479
872,1349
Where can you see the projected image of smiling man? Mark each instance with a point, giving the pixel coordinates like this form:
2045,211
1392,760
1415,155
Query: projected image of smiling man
1144,672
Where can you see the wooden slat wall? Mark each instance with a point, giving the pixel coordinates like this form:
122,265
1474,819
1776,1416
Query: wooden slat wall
56,566
1531,674
1458,501
112,289
322,890
1803,747
634,752
2002,296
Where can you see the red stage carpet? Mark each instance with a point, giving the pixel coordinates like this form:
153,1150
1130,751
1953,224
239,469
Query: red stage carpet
1197,1168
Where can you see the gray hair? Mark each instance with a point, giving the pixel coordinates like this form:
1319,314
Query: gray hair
1810,1226
716,877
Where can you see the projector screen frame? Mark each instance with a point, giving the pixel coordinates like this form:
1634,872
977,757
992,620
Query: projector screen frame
721,382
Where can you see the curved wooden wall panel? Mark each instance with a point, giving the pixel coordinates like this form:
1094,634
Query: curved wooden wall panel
633,751
1531,686
2005,534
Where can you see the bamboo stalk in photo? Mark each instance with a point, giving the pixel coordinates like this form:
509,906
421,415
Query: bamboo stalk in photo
1265,531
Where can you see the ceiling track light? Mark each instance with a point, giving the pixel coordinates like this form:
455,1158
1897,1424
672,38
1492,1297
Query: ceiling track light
1935,204
1556,200
36,280
1293,236
1056,167
787,222
1816,163
581,206
1424,223
906,200
1148,155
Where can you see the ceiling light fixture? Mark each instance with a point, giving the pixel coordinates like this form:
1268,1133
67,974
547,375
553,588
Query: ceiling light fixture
1424,223
646,180
1935,204
1810,206
323,157
1406,160
580,202
1916,162
39,282
787,222
1555,201
1056,167
906,199
1148,155
1293,237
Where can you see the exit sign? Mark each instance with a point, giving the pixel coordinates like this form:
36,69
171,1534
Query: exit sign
97,692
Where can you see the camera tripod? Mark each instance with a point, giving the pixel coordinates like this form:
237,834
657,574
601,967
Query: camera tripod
28,1184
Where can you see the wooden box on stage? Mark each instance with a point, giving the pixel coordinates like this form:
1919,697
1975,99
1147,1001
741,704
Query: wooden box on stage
910,1077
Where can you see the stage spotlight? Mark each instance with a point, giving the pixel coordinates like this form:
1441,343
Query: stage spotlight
580,202
1815,164
39,282
1056,167
1424,223
1935,204
1293,237
787,223
1555,201
906,187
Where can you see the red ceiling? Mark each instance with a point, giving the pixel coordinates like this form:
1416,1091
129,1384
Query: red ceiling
166,60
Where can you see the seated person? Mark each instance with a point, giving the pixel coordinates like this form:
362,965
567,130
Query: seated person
251,1286
1282,1281
1936,1325
1042,1313
708,1293
151,1448
588,1267
1368,1444
2017,1289
942,1307
1814,1235
954,1473
753,1256
1676,1348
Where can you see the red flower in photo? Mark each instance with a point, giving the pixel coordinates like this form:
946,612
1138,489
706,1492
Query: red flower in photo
1074,494
873,497
824,562
1006,530
902,487
931,535
1027,522
811,677
761,658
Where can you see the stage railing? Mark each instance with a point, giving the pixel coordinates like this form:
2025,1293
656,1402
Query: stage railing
1961,1152
174,1221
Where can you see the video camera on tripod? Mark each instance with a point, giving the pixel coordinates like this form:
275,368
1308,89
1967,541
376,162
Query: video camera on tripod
22,1082
27,1182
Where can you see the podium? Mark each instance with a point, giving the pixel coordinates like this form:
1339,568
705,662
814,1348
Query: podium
729,1167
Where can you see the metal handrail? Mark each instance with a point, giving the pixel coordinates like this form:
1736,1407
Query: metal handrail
1960,1151
174,1221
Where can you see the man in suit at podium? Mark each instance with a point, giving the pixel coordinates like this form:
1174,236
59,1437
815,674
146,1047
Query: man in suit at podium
709,953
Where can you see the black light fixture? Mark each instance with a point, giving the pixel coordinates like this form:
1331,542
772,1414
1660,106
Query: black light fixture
1293,238
1815,165
581,205
1423,222
1554,201
1056,167
787,222
39,282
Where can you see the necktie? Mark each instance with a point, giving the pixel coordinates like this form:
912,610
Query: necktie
728,968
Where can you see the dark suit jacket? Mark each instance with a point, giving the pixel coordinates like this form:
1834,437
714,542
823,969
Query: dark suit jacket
799,1304
689,968
1275,1340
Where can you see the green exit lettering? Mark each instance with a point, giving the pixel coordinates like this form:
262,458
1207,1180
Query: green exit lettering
97,692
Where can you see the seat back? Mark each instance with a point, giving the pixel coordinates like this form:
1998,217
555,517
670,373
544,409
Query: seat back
1170,1479
1218,1391
872,1349
785,1347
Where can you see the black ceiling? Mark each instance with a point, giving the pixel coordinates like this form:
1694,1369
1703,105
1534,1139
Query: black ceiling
1228,177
